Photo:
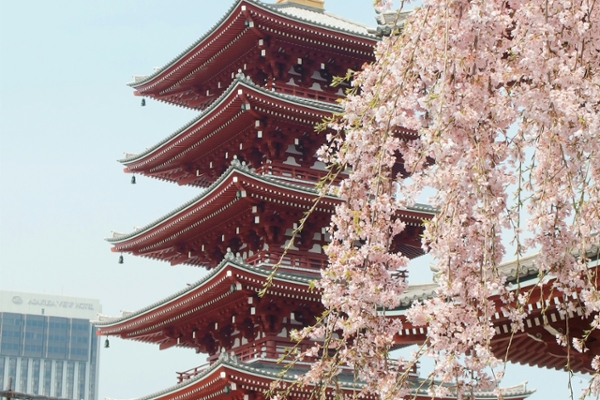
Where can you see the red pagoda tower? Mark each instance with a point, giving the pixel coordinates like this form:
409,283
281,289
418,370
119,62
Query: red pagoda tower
261,81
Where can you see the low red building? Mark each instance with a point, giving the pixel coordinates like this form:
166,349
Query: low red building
536,345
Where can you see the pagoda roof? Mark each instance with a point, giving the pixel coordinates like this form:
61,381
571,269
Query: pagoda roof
220,198
232,30
210,292
207,128
212,201
228,375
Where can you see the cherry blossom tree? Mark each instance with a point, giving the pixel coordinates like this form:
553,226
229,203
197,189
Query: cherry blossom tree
505,97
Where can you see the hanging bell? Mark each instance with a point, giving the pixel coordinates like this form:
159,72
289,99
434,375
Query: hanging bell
106,344
121,259
133,179
143,102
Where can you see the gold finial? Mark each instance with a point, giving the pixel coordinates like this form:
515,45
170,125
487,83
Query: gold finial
319,4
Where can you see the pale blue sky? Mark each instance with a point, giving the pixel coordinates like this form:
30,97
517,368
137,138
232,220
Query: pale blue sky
66,115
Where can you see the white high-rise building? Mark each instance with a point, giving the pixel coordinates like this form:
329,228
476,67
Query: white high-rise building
48,345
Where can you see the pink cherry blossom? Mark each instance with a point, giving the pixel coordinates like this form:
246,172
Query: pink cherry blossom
505,97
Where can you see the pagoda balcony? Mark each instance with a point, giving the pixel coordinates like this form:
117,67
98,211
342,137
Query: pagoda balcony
296,174
193,372
292,260
309,93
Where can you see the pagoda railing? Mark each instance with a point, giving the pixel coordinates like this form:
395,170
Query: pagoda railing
307,176
192,372
251,353
257,356
296,261
292,260
308,93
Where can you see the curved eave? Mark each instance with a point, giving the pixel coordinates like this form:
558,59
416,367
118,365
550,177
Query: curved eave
525,350
416,214
527,275
208,383
219,29
419,293
220,114
202,296
536,345
183,217
238,184
259,375
232,24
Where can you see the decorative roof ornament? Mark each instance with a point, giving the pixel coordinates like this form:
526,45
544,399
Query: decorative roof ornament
224,356
240,75
318,4
388,22
239,259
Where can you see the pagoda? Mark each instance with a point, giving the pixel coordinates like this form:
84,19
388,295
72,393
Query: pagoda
261,80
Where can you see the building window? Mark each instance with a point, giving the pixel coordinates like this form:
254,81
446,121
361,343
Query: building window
70,379
34,336
47,377
2,361
79,344
93,361
58,380
12,334
81,381
23,375
35,377
58,338
12,371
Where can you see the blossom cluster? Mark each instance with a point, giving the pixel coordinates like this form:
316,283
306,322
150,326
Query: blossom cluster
505,98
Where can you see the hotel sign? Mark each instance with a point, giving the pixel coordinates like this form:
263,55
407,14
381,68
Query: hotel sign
62,304
56,303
